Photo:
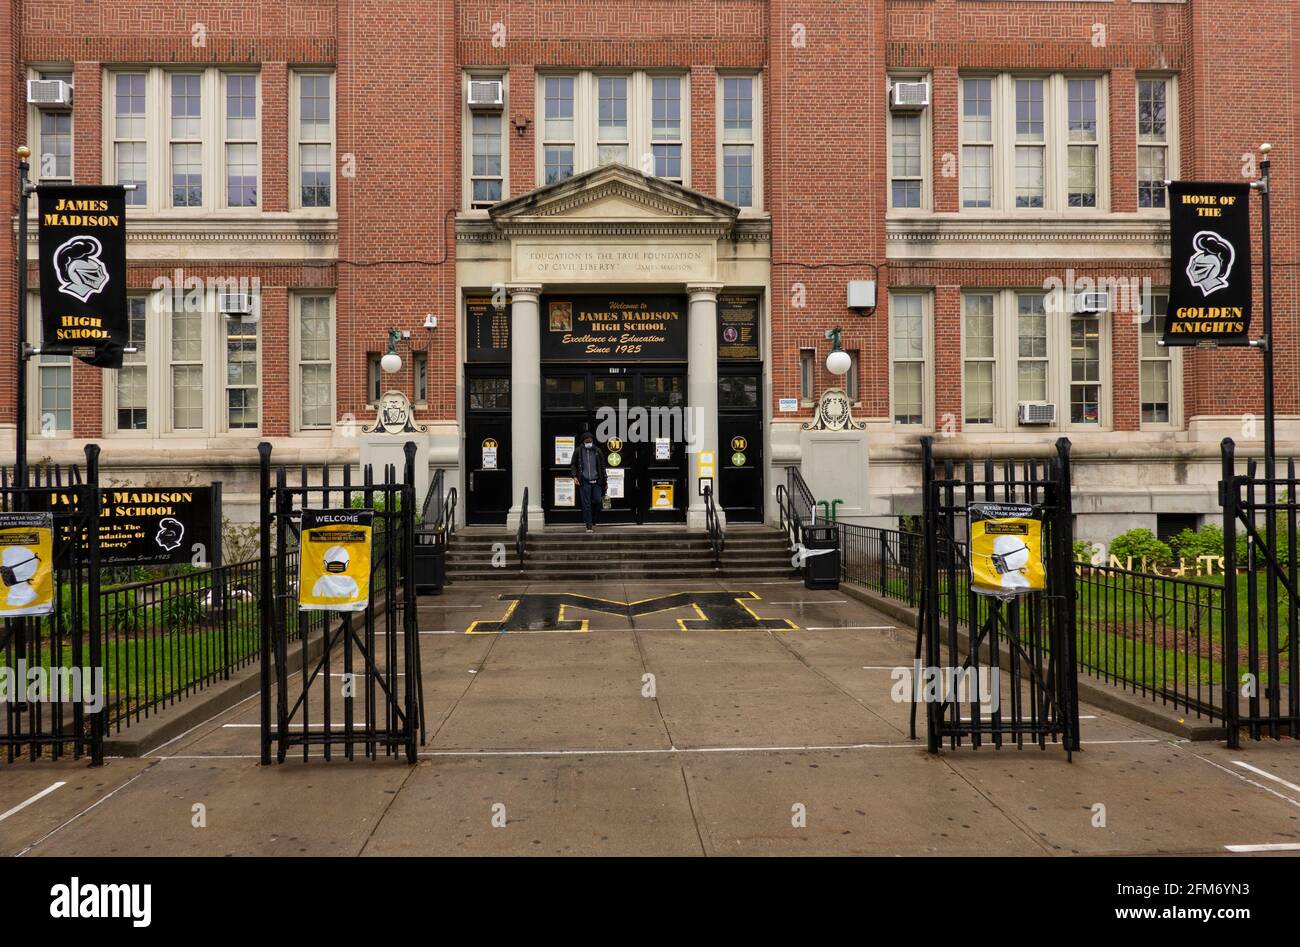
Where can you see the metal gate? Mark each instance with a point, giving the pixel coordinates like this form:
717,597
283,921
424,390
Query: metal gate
1271,680
313,662
63,649
983,641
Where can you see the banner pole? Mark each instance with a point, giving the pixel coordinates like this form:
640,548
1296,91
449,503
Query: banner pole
20,401
1266,246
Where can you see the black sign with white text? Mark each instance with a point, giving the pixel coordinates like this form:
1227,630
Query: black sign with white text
150,526
1210,277
83,272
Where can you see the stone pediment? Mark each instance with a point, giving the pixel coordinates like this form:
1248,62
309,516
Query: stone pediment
614,199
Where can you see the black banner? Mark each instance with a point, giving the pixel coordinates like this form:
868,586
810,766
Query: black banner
150,526
614,328
83,272
1210,276
737,327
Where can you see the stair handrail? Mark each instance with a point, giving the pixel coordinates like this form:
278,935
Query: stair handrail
717,537
448,515
801,505
521,537
435,490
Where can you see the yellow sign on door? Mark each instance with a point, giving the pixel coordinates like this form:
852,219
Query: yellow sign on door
661,495
334,561
26,564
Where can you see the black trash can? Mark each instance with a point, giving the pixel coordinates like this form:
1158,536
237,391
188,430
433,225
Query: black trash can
430,561
821,565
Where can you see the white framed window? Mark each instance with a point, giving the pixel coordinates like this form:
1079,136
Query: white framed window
1018,347
131,135
666,125
851,377
375,383
313,401
979,359
638,118
185,142
1159,367
1157,140
807,375
740,159
131,392
188,139
49,384
240,134
185,370
909,345
242,408
312,124
559,128
486,146
49,132
1034,143
909,155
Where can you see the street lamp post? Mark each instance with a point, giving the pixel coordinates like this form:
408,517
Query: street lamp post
20,401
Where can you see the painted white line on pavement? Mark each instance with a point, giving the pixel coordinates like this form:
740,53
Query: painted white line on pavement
450,606
101,799
818,601
850,628
1245,779
27,802
1266,774
1269,847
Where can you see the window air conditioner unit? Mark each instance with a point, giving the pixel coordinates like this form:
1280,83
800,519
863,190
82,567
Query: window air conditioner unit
1035,412
49,92
236,304
1091,302
486,95
909,96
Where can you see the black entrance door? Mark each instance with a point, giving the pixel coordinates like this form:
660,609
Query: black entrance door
487,448
637,416
740,445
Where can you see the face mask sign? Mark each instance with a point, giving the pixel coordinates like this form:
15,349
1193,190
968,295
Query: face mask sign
1006,549
26,555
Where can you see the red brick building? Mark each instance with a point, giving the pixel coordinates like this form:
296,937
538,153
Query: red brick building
661,204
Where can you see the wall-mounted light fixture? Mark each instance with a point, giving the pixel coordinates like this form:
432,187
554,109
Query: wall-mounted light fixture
838,362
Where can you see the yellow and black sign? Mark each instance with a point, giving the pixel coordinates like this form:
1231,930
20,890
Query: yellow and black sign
1210,276
613,328
83,272
26,564
614,443
661,495
739,443
334,570
1006,549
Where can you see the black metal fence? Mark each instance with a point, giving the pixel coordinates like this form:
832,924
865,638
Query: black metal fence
1269,618
1159,637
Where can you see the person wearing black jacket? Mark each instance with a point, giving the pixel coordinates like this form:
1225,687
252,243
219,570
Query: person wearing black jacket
588,468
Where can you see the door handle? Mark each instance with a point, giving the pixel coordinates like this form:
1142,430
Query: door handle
471,480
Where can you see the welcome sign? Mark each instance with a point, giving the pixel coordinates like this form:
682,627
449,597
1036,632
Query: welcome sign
1210,276
82,249
614,328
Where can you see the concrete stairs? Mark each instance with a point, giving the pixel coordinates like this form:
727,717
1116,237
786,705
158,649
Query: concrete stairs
617,553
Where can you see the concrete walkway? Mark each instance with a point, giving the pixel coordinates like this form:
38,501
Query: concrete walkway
638,737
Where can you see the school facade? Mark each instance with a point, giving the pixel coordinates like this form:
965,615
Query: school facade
565,213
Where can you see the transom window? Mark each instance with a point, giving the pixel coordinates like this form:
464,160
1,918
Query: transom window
1017,348
1033,142
591,119
185,138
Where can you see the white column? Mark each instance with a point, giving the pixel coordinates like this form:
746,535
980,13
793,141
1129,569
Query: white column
702,393
525,404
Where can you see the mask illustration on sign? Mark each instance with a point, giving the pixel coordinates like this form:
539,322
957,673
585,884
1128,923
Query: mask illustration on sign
17,566
170,533
80,271
335,583
1010,556
1209,267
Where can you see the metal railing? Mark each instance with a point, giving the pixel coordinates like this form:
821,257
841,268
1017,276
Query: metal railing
717,538
521,536
1158,637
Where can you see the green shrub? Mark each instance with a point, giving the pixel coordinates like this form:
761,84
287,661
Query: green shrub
1142,546
1082,550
